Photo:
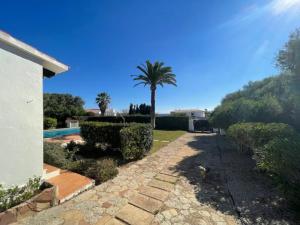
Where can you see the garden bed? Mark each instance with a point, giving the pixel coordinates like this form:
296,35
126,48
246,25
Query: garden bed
45,199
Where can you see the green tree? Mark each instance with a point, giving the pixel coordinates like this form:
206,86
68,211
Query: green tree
103,100
288,58
62,106
131,111
153,75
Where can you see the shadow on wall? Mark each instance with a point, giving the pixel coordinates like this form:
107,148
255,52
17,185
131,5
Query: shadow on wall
231,183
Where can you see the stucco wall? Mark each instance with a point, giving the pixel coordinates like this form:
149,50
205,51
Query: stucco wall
21,115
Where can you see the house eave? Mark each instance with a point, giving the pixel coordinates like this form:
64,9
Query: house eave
26,51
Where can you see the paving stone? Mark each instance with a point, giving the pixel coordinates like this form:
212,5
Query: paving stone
161,184
103,220
114,222
134,216
149,204
170,172
154,193
167,178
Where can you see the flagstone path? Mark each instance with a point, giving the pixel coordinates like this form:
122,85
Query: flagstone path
164,188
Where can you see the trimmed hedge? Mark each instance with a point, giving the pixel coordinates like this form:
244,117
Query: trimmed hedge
172,123
50,123
104,133
136,140
162,123
276,150
133,139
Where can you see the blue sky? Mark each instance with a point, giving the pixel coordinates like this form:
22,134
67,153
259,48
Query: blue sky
214,46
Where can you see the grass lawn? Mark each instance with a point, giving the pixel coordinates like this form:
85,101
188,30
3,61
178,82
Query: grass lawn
164,135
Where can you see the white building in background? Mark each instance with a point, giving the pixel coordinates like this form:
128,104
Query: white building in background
22,69
192,113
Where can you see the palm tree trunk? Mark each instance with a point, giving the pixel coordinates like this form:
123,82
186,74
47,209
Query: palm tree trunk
152,111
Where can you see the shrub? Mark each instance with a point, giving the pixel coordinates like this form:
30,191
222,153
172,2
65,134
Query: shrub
101,170
276,150
250,136
136,140
13,196
119,119
55,155
104,133
50,123
172,123
162,123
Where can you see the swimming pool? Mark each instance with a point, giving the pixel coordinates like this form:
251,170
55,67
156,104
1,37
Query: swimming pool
61,132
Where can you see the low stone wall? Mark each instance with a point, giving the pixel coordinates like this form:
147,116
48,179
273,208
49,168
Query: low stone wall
44,200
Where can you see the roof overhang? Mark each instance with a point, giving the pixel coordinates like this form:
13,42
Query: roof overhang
50,65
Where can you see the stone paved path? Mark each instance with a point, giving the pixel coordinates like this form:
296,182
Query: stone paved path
166,188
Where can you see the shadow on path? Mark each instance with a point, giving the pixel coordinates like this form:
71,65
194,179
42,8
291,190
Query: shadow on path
231,184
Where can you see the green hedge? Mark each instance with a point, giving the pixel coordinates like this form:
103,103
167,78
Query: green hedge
172,123
276,150
162,123
104,133
50,123
133,139
136,140
118,119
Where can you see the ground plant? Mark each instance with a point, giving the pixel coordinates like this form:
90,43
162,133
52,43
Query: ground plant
12,196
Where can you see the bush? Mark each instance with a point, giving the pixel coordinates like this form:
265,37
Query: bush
162,123
55,155
101,170
104,133
172,123
119,119
13,196
276,150
250,136
50,123
136,140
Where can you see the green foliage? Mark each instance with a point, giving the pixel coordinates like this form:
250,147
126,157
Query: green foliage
10,197
250,136
103,100
142,109
101,170
276,150
105,133
133,139
136,140
119,119
162,123
54,154
172,123
273,99
62,106
50,123
288,58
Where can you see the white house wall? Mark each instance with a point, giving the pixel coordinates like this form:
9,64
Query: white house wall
21,115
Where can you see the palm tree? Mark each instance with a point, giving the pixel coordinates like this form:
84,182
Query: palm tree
153,75
103,100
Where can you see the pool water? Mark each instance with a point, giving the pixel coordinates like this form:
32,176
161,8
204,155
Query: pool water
60,132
